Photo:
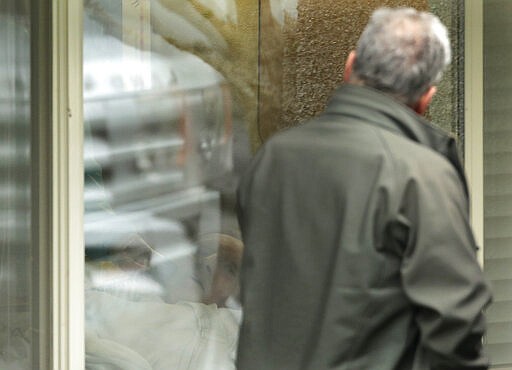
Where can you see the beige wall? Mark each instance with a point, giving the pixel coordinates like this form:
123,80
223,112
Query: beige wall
447,109
302,61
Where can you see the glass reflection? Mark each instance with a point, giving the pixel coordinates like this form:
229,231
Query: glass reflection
178,95
16,251
161,112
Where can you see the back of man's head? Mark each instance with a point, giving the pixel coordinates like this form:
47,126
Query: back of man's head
402,52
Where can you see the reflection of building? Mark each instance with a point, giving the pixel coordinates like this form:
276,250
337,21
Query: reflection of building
15,192
152,140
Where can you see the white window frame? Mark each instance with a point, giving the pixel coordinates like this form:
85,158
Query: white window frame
67,186
57,159
473,127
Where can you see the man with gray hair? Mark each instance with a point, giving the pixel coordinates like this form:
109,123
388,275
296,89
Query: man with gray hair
358,253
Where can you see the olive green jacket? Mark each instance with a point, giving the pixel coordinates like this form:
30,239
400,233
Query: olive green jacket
358,250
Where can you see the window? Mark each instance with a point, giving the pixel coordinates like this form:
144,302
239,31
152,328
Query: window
177,96
497,172
17,250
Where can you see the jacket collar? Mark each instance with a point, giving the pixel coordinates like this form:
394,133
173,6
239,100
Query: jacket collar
374,107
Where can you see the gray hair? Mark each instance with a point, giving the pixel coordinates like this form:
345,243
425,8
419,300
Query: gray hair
402,52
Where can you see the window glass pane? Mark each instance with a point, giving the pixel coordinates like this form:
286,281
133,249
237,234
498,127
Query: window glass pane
498,176
16,248
167,89
178,95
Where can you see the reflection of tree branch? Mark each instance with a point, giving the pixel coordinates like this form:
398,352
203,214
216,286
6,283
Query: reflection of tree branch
246,13
218,61
97,11
193,30
230,48
238,61
194,14
207,13
208,52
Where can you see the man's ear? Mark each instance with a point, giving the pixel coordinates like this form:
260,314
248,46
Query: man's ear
422,104
348,66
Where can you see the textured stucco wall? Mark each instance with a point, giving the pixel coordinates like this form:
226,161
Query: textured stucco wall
303,60
447,109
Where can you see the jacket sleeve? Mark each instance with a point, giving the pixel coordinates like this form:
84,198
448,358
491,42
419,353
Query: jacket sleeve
440,272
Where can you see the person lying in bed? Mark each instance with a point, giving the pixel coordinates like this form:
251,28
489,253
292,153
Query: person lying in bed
140,335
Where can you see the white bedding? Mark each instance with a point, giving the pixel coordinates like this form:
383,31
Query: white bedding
142,335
